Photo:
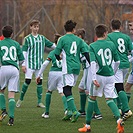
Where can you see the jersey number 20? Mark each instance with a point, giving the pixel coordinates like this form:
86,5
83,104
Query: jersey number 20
10,53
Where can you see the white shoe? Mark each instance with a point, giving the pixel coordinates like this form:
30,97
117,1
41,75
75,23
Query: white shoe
45,115
18,104
41,105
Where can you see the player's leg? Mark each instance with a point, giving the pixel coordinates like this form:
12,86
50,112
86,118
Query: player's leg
128,86
47,104
2,105
119,79
11,107
89,113
39,90
4,75
28,77
13,87
110,94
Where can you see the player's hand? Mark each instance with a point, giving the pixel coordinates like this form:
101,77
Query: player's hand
96,83
38,80
24,69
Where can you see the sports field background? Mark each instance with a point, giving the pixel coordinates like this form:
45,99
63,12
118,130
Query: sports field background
28,116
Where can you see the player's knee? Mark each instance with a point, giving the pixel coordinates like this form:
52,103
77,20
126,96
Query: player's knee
27,81
67,90
40,83
119,87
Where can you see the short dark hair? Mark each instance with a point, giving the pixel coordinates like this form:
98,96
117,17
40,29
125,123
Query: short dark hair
100,29
70,25
7,31
115,24
34,22
56,37
80,32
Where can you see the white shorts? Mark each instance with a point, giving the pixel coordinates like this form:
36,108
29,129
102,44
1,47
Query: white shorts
9,77
107,87
29,73
55,81
86,80
121,75
130,79
69,79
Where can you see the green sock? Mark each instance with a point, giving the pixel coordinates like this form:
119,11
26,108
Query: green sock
90,109
123,98
39,93
96,108
82,101
2,101
64,100
47,101
113,108
119,104
71,104
11,107
24,89
128,96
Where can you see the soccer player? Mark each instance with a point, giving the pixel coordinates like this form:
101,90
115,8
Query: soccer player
102,52
33,50
129,82
10,55
85,83
70,46
54,79
124,45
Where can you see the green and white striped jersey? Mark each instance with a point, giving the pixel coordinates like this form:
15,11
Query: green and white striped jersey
103,52
10,52
123,44
56,65
71,46
34,46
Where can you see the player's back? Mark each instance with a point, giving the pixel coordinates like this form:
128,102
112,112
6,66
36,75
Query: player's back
10,52
72,47
123,44
103,52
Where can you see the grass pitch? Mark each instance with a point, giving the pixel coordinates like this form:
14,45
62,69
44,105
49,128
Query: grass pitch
28,116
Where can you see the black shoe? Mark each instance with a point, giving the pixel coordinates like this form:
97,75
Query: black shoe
82,113
10,123
97,116
3,115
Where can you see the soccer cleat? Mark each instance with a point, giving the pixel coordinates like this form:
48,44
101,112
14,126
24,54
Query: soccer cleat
82,113
85,129
67,116
75,117
120,126
3,115
10,123
18,104
41,105
97,117
127,115
45,115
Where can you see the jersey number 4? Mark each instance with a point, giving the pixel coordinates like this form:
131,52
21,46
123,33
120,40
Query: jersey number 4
73,49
